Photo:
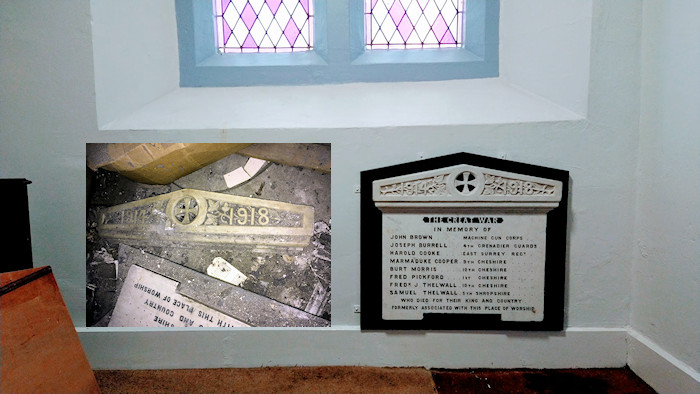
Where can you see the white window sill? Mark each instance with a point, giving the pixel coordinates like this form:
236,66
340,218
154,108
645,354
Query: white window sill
357,105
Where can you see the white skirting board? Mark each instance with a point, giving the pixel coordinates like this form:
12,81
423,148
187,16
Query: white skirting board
141,348
662,371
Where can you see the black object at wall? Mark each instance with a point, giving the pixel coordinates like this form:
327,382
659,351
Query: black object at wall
16,237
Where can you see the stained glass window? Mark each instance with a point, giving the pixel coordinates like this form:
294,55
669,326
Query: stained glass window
264,25
413,24
337,51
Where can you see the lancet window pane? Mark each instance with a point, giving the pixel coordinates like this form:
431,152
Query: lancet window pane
264,25
413,24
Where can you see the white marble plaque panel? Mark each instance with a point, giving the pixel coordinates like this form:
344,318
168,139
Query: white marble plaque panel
460,263
148,299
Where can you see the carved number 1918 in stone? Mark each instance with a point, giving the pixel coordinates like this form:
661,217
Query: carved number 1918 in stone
242,217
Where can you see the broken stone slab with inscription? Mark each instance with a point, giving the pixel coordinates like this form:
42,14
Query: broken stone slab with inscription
191,216
464,239
148,299
209,301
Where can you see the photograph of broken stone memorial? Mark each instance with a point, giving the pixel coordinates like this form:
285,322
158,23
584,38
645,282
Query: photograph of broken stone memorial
208,235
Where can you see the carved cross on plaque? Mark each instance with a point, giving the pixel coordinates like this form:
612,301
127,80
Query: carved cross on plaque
186,210
466,183
200,217
463,242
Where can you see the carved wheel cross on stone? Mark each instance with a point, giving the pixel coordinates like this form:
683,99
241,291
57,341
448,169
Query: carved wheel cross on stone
186,210
466,182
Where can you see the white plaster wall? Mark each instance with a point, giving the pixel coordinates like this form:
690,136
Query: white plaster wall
134,54
666,306
48,112
550,57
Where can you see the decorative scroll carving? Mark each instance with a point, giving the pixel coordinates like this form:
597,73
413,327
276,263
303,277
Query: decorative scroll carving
499,185
436,186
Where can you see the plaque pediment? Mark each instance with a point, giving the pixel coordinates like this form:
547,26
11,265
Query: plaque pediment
201,217
466,184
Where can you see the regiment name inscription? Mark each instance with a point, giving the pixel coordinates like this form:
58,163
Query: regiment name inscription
460,240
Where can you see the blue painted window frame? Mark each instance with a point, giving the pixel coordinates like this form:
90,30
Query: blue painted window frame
339,54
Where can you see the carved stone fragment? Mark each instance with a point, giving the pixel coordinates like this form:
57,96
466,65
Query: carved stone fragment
194,216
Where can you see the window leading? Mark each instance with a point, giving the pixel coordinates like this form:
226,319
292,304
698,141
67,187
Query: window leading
263,25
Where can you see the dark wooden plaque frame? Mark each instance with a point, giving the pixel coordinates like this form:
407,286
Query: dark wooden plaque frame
371,252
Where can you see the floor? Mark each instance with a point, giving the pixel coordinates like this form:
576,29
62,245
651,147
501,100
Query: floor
371,380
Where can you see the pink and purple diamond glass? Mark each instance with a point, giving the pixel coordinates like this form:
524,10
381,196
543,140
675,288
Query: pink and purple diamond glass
413,24
264,25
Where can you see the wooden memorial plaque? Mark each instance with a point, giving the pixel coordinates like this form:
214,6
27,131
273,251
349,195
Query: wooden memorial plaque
463,242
